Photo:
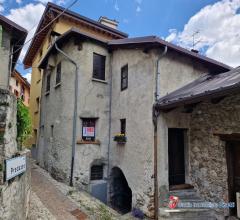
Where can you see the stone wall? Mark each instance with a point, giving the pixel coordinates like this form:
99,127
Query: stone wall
14,194
208,170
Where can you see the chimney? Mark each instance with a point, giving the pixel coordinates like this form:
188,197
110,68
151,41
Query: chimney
108,22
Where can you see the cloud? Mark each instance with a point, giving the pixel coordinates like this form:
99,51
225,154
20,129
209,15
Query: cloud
28,17
138,9
19,1
219,32
1,5
116,7
28,77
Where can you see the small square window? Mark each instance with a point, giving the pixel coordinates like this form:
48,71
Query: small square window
58,73
124,77
88,129
123,126
48,83
99,66
97,172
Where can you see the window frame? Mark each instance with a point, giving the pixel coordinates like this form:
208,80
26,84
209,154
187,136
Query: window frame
48,83
102,74
59,73
90,121
124,77
123,123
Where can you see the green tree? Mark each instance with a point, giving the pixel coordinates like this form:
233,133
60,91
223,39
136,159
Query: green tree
24,125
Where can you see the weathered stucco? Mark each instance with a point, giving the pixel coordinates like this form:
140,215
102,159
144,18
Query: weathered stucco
57,111
4,61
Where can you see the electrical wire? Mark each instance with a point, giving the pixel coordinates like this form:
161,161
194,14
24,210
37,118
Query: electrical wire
39,32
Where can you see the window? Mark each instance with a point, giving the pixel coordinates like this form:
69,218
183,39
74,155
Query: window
98,66
16,82
52,127
88,129
123,126
124,77
97,172
48,83
58,73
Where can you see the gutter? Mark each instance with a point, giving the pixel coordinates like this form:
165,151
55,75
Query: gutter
155,149
74,111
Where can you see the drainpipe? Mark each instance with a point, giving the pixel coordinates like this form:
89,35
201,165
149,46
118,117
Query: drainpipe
74,111
155,150
109,129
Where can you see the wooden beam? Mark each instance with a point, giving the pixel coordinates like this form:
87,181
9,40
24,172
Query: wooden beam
228,137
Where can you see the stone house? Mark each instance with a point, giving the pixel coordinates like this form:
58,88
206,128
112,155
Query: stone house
95,88
200,123
105,29
15,192
20,87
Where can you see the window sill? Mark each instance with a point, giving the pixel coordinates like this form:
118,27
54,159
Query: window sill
96,142
57,85
99,80
47,93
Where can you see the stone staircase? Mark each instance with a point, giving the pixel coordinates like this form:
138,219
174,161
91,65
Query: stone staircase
186,197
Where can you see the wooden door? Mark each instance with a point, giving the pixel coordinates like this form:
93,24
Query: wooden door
233,162
176,158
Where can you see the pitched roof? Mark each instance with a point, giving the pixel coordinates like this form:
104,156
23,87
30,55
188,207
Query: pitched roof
18,36
154,41
55,10
20,77
144,42
208,86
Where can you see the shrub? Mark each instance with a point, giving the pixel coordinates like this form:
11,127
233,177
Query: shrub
24,125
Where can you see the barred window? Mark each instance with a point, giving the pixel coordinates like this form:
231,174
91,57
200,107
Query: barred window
97,172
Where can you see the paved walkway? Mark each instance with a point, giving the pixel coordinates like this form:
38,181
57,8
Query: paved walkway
60,206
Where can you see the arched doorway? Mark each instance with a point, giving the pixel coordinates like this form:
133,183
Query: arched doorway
120,192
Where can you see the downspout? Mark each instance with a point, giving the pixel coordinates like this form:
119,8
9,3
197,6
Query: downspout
74,125
155,150
109,129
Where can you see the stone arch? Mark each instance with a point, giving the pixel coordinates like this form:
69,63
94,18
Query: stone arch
120,192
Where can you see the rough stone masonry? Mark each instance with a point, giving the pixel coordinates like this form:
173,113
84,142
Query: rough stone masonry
14,194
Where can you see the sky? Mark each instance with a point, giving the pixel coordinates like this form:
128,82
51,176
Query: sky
210,26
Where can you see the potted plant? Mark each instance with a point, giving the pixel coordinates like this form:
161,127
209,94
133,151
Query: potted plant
120,138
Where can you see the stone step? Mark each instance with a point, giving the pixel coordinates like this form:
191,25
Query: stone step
181,214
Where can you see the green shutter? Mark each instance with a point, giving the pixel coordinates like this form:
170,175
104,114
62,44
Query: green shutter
1,33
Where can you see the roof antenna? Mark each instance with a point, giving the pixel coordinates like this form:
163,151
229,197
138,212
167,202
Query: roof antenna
194,42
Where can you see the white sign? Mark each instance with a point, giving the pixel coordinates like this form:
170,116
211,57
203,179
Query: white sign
15,166
88,131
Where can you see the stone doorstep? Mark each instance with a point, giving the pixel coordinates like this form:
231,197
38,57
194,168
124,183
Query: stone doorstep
186,213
